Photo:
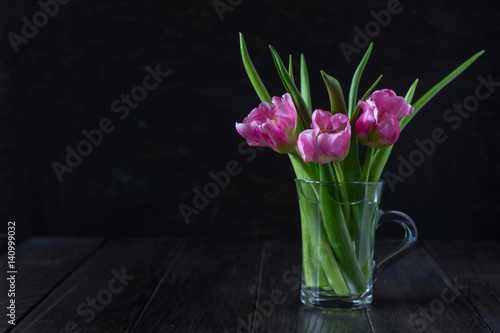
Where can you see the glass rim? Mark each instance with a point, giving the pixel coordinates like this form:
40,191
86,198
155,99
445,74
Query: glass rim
307,181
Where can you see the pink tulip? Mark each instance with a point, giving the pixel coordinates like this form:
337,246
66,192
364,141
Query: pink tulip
272,125
378,125
387,102
328,140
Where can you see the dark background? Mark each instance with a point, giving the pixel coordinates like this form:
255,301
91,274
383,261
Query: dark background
64,79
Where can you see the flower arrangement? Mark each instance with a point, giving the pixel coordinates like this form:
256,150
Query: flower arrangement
323,147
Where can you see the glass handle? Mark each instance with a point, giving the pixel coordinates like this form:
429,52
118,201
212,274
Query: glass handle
411,235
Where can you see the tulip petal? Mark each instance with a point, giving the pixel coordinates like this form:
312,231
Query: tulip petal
306,146
334,147
329,139
320,119
253,135
271,125
378,125
388,128
277,138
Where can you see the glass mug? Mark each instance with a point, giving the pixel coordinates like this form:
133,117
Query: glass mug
338,223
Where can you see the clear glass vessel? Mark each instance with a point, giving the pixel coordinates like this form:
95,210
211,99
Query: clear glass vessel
338,223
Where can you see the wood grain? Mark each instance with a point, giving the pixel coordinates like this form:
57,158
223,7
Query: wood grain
119,278
415,295
475,265
243,286
41,264
211,285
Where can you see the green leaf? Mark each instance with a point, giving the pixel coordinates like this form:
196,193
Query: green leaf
434,90
353,92
254,77
369,91
290,67
411,92
300,104
354,115
382,155
304,82
337,102
351,163
379,160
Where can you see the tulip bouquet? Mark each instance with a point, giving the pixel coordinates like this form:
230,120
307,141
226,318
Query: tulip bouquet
323,146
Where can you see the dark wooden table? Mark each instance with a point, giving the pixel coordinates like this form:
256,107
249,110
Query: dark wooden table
196,285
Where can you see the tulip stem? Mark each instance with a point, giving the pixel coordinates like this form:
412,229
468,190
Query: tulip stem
302,169
368,162
339,172
335,224
344,195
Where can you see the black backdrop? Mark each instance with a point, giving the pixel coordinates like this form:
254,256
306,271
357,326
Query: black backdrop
75,70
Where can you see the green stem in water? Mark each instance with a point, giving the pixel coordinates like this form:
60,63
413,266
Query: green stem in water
338,235
344,196
320,265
